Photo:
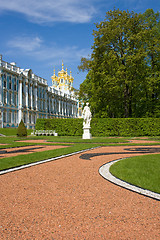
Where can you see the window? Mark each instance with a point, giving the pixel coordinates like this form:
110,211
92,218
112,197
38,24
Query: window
15,85
29,100
10,117
23,100
5,97
5,83
4,116
30,116
24,117
10,98
61,80
10,85
15,99
15,117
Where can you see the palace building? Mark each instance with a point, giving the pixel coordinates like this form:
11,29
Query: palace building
26,96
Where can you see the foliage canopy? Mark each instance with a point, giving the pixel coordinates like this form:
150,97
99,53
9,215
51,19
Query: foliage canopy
123,77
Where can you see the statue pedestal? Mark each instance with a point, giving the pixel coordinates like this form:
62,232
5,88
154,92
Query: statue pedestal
86,133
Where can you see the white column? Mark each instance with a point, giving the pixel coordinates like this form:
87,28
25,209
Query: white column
49,104
27,118
45,96
72,109
31,96
59,110
35,97
52,104
20,100
1,119
65,107
68,109
55,106
62,106
26,93
1,87
0,80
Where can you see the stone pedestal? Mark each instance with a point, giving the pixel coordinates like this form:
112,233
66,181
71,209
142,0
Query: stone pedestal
86,133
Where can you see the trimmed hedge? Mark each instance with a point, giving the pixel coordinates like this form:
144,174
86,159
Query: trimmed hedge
101,127
64,127
125,127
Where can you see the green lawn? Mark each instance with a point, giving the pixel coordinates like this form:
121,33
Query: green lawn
78,139
13,141
12,131
6,163
141,171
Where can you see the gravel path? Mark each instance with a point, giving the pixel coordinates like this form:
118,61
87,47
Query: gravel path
68,199
10,152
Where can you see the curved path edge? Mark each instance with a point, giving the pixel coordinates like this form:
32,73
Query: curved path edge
105,173
42,161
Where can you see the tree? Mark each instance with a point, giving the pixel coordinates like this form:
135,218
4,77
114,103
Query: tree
152,47
21,131
119,71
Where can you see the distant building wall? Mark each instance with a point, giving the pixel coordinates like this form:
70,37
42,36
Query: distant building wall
26,96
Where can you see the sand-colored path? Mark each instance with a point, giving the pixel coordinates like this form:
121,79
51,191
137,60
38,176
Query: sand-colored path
68,199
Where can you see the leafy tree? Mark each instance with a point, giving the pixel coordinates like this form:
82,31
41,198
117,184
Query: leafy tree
152,47
121,72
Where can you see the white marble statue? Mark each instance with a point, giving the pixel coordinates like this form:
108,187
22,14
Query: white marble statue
86,114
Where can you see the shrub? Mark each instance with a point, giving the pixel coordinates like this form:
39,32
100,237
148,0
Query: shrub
21,130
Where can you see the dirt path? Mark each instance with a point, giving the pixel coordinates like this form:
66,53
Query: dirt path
67,199
143,141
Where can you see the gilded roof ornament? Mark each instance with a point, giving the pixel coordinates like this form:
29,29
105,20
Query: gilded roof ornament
62,65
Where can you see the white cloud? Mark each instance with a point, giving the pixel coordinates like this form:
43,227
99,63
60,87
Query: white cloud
51,54
25,43
47,11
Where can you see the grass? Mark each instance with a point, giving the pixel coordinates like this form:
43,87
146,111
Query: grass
12,131
10,162
14,141
78,139
142,171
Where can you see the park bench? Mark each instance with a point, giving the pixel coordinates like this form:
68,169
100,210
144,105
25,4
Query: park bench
44,133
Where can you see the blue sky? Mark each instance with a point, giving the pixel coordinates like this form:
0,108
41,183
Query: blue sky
40,34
